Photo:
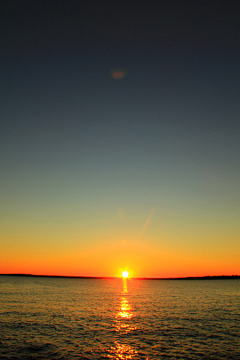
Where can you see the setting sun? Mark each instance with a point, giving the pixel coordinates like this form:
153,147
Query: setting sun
125,274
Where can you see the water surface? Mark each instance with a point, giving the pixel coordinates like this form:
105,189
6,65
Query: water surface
63,318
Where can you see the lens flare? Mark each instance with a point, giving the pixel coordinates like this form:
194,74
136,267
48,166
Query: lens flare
118,73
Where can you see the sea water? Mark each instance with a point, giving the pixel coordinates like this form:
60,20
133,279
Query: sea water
64,318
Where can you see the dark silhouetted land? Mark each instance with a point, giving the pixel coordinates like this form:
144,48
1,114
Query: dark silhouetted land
217,277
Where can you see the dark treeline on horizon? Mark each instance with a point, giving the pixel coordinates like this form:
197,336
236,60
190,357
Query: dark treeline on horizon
217,277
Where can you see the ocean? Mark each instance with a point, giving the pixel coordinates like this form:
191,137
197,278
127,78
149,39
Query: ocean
65,318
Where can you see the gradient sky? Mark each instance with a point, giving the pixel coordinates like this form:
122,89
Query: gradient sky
101,174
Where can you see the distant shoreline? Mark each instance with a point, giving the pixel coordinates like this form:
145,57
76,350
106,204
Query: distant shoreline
218,277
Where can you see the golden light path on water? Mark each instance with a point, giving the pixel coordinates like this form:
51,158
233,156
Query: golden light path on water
124,315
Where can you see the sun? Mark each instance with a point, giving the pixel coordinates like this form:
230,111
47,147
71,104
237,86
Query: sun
125,274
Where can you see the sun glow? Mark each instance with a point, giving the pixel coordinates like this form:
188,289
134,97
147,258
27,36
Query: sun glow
125,274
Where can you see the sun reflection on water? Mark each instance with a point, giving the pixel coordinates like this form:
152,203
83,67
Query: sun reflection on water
122,352
123,326
125,308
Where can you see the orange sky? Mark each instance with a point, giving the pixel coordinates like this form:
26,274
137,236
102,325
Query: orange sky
142,257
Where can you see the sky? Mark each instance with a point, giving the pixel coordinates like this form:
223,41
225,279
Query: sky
102,173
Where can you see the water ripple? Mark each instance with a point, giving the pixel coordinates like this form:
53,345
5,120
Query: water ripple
107,319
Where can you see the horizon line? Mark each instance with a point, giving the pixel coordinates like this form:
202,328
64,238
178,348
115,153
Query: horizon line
205,277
